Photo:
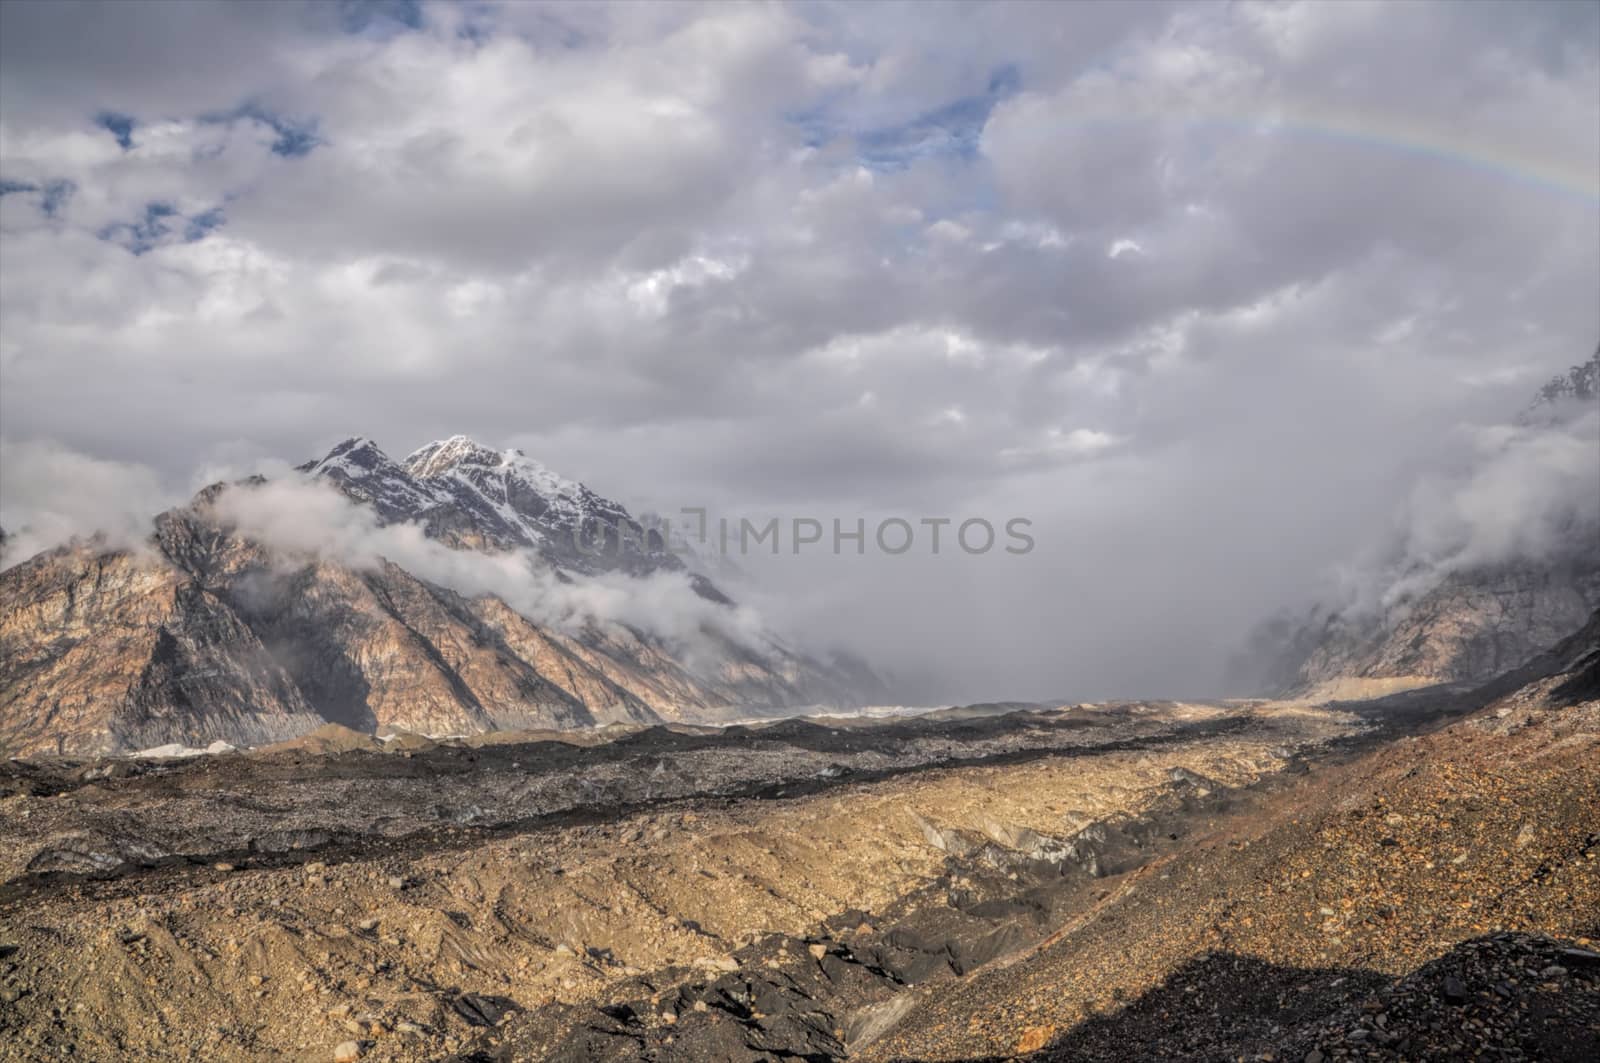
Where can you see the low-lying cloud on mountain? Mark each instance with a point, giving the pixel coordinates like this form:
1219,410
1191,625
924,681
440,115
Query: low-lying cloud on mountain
52,494
57,496
1494,555
1530,495
306,518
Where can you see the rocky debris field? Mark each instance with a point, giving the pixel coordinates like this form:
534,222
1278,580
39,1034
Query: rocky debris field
337,790
1500,996
1265,939
1515,996
752,893
1137,881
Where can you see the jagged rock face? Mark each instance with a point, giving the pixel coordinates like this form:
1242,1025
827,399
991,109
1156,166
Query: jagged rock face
469,495
1468,624
1471,627
106,651
382,649
210,635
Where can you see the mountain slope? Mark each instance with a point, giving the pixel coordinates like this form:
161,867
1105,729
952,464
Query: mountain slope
211,634
110,646
1469,628
1476,591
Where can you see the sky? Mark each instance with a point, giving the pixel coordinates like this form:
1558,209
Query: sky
1202,290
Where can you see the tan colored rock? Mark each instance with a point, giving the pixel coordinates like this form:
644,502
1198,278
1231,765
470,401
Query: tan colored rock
209,636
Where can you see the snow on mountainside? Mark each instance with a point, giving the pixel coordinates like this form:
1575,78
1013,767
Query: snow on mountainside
470,495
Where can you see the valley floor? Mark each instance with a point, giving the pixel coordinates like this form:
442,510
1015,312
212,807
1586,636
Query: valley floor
1143,881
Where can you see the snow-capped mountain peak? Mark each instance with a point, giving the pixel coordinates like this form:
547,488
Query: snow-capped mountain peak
460,455
442,455
472,495
360,468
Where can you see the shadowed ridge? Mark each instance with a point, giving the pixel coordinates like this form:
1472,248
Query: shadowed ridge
1223,1006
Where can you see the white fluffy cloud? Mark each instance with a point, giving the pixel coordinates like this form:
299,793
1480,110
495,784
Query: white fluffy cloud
53,495
1527,492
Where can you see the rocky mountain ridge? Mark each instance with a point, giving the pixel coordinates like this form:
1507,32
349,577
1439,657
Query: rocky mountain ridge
469,495
208,634
1470,627
1460,622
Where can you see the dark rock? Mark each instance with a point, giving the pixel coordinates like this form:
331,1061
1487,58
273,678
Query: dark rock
480,1010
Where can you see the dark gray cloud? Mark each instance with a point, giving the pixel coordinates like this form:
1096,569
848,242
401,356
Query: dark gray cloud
1201,288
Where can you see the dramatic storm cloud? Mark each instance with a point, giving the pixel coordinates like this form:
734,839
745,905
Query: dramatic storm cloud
1200,289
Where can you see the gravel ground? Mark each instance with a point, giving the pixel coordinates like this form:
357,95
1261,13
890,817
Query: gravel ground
1360,875
502,935
1165,882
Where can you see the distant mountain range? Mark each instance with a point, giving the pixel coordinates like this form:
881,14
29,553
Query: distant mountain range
212,633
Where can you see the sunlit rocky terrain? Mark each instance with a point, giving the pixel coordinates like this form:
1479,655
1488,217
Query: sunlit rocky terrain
1139,880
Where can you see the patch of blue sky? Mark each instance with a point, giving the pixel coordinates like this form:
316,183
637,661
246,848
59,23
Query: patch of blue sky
296,137
379,18
158,224
294,141
201,224
477,20
951,130
118,125
56,194
816,125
